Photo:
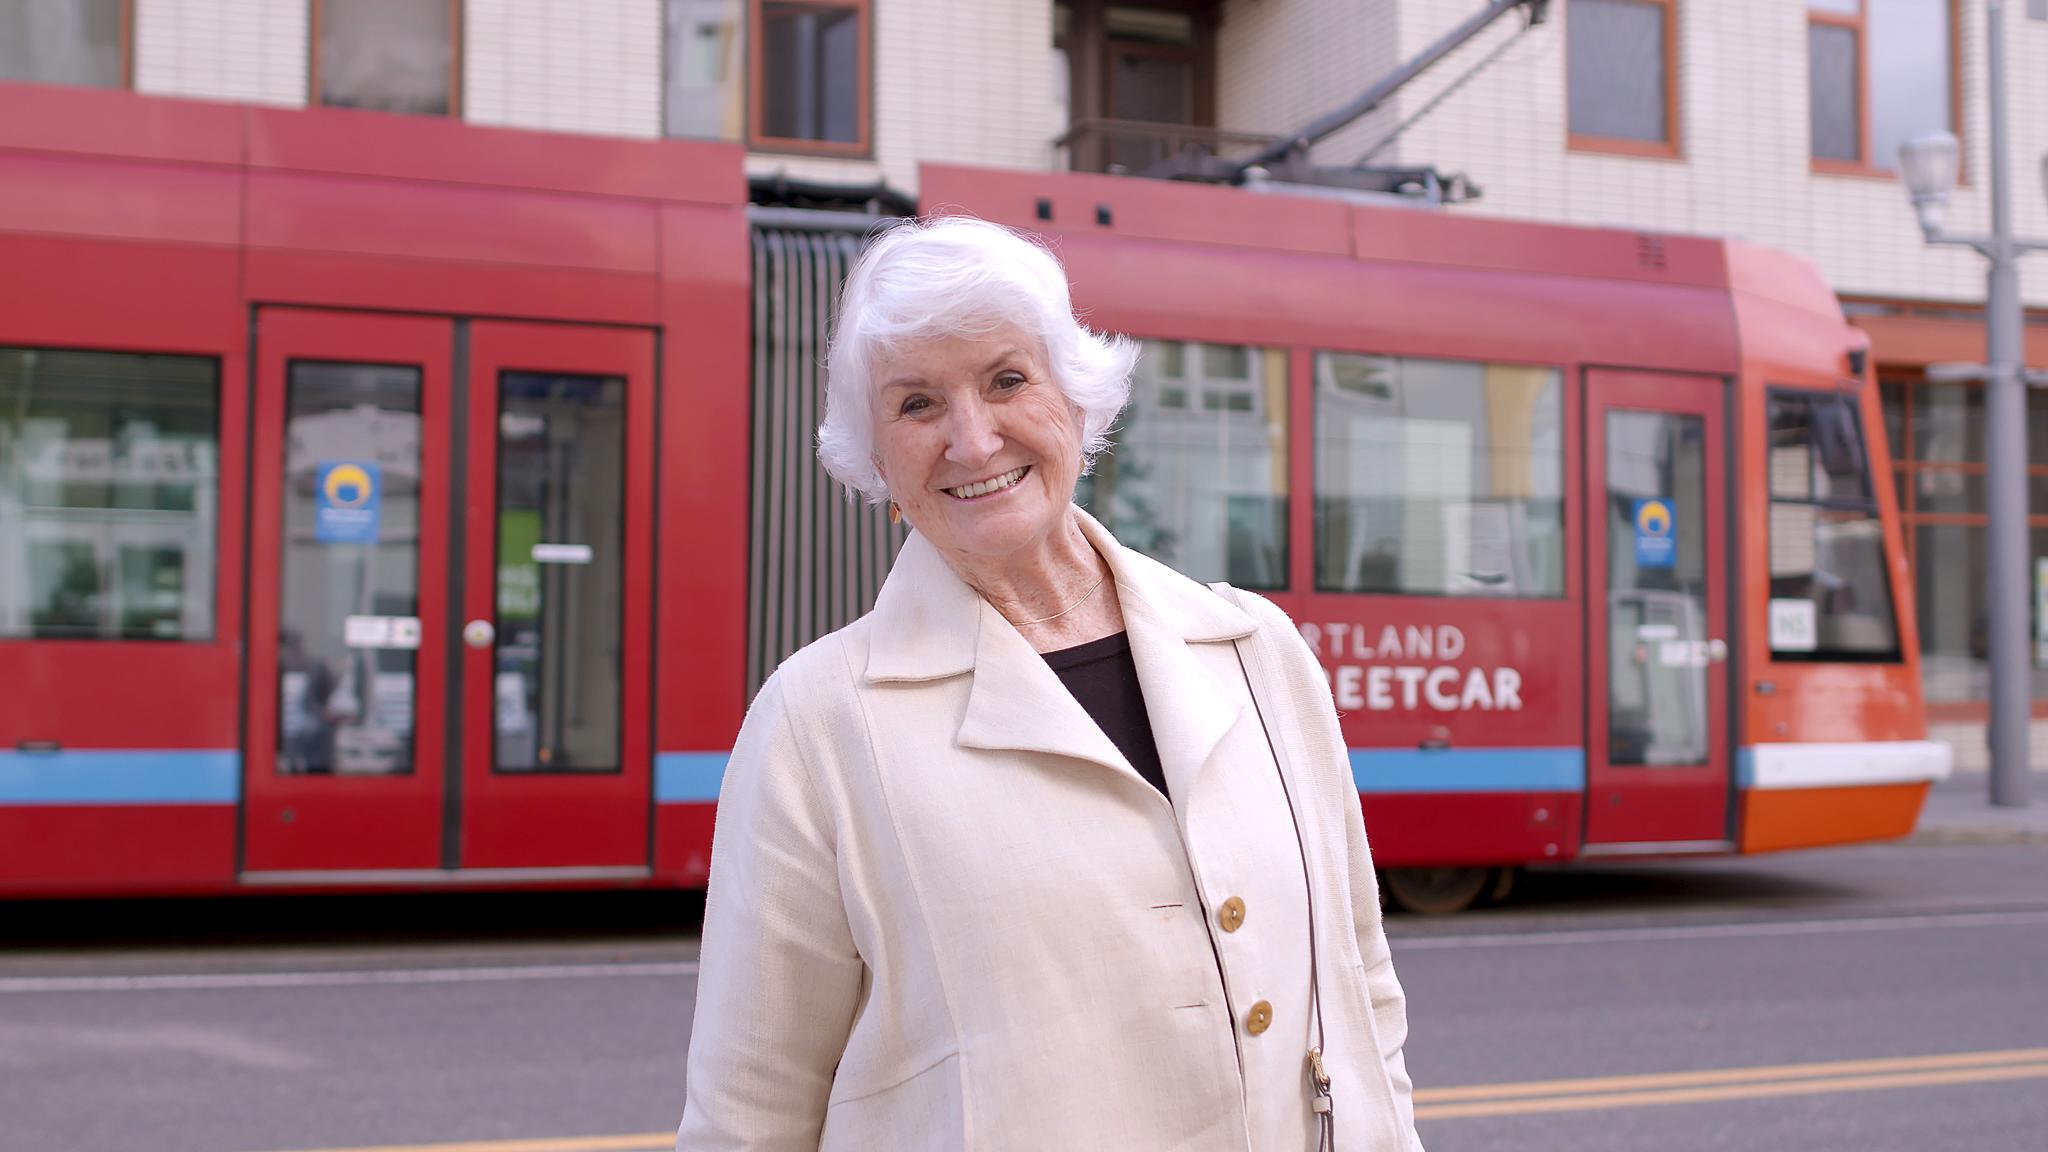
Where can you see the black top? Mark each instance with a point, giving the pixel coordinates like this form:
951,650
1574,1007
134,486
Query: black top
1104,678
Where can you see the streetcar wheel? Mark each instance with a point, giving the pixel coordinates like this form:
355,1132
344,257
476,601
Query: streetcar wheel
1435,891
1502,885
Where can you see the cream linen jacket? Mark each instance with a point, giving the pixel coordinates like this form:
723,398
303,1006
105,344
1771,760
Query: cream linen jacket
945,913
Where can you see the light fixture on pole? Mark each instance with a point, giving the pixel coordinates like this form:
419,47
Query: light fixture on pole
1928,165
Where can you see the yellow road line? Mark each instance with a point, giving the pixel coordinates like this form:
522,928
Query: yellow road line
1753,1091
1527,1097
640,1142
1729,1076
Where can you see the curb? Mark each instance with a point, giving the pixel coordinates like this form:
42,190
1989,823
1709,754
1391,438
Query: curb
1977,835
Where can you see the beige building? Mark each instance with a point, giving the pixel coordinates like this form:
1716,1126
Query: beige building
1772,120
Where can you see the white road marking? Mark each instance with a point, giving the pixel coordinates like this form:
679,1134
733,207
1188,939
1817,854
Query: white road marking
339,979
2011,919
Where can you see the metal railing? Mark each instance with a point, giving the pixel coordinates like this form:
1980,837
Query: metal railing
1140,147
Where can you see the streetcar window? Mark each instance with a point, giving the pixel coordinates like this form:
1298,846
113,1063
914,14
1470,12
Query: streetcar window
348,573
109,489
1438,477
1196,475
72,42
1831,597
385,55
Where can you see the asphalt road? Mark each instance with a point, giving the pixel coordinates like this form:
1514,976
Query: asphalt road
1870,998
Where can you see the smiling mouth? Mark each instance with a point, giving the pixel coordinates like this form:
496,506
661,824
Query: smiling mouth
990,486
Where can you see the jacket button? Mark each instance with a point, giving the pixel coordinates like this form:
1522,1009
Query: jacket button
1259,1018
1231,915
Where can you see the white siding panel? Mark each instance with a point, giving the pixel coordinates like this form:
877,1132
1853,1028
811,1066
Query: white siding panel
564,65
247,50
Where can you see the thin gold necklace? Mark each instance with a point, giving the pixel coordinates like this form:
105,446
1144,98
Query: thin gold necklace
1069,608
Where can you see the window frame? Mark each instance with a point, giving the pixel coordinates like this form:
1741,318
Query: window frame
1906,468
1864,166
1873,503
862,147
455,50
1568,513
1669,148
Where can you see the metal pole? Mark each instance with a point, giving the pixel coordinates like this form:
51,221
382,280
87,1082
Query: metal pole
2005,435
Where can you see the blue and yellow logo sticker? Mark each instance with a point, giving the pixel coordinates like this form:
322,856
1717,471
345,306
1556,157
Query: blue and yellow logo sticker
346,499
1656,534
348,486
1653,518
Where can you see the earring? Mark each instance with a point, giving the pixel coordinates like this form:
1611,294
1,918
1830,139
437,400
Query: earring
895,513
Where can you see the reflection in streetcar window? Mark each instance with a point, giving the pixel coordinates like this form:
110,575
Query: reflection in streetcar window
350,553
109,489
1831,598
1438,477
1196,475
561,530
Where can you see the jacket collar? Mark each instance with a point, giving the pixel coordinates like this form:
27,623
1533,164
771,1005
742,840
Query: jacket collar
928,625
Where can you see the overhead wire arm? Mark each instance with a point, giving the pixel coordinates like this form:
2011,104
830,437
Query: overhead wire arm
1300,142
1450,90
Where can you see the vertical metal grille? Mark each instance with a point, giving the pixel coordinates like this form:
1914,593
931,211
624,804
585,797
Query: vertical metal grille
816,560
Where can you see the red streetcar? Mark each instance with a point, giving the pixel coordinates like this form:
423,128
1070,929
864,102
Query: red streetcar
396,502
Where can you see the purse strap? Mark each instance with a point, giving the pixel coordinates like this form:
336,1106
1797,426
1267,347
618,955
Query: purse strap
1318,1077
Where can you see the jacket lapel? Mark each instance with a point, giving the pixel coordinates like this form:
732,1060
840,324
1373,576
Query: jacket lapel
1173,623
929,625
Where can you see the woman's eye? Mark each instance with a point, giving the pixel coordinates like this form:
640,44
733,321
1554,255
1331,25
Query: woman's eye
1008,381
915,405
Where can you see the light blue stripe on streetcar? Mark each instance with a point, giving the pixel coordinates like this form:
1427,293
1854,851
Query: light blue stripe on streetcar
1745,767
120,776
688,777
1469,769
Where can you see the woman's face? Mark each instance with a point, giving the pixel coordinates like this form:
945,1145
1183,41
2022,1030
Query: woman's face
976,442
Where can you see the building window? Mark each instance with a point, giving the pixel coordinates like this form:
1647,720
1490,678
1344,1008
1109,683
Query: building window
704,62
109,494
1196,475
1621,69
387,55
1138,82
810,75
1438,477
1831,597
1937,436
1879,73
66,41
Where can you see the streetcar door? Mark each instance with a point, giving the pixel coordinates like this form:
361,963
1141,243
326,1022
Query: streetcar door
1658,560
348,540
557,597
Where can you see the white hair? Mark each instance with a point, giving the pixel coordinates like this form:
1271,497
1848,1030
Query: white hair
956,276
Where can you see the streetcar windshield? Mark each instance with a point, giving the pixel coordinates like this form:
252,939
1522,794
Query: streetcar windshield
1831,598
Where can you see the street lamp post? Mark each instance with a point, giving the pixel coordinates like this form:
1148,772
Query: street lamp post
1929,167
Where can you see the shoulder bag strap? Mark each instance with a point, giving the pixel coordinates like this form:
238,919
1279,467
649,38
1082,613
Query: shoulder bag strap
1319,1079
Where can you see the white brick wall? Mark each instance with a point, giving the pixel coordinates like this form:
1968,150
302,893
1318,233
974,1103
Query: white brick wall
1745,170
1281,63
960,81
564,65
252,50
1972,756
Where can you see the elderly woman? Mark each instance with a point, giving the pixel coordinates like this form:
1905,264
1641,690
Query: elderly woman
1055,848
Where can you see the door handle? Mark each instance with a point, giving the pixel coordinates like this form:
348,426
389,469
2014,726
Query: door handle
1717,651
479,633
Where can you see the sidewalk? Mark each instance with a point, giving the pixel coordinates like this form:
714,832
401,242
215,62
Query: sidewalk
1959,811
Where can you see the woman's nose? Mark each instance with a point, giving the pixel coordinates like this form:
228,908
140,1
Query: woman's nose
971,436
